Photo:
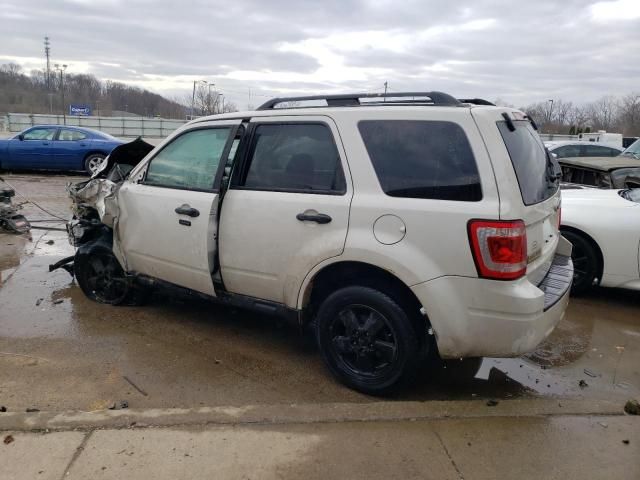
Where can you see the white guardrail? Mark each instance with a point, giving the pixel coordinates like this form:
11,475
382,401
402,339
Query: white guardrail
116,126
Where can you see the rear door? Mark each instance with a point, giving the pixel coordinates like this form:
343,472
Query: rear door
168,221
287,208
68,149
34,151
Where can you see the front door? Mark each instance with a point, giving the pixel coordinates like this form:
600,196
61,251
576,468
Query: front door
287,208
168,221
34,150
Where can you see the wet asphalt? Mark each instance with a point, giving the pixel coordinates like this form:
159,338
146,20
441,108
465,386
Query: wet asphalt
61,351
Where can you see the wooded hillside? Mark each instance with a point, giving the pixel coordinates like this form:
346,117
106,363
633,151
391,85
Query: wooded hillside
20,93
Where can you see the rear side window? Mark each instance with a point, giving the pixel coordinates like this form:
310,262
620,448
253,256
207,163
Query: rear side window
534,169
422,159
294,157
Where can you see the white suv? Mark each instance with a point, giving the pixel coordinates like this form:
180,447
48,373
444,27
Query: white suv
397,228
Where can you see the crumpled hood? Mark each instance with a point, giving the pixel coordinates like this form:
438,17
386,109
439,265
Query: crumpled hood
100,192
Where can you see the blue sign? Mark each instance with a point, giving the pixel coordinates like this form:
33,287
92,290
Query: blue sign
79,110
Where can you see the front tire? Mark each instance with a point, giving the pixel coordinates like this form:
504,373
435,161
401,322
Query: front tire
103,280
585,262
92,162
366,339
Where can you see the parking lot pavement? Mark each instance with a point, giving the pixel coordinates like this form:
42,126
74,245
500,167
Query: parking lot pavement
181,351
550,447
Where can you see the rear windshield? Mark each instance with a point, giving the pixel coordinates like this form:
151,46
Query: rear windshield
422,159
534,168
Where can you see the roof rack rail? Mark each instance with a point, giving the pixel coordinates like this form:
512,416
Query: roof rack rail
353,99
477,101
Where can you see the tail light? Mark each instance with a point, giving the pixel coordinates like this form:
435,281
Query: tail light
499,248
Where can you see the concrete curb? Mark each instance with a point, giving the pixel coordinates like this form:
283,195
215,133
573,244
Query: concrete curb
303,413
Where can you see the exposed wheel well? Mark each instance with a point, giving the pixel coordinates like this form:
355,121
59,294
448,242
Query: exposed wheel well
342,274
593,243
93,152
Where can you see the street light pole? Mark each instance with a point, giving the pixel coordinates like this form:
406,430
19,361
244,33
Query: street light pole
193,96
221,95
550,109
61,69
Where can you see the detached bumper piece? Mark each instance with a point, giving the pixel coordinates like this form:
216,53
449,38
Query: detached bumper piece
558,280
66,264
10,220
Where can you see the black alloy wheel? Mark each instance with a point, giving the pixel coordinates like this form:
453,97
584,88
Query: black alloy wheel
101,277
363,341
367,339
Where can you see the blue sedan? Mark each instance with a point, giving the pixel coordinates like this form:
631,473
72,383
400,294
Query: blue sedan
56,147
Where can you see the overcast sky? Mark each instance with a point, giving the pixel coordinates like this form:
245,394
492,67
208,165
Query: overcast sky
521,51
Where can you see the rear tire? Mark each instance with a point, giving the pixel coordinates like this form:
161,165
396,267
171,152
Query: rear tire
585,262
366,339
92,162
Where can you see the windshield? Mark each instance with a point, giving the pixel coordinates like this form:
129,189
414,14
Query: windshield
633,150
633,194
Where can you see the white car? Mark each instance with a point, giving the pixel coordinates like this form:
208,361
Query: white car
393,229
569,149
604,228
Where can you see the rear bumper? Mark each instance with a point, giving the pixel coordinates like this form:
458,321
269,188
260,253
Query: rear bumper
473,317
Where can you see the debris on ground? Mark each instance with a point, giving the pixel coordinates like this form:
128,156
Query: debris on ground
625,441
590,373
39,301
122,404
3,409
50,242
603,424
58,301
8,439
32,410
492,403
582,384
632,407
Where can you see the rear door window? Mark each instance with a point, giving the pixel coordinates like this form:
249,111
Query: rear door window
600,151
295,157
422,159
534,168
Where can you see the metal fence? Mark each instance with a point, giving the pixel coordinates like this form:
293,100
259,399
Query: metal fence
116,126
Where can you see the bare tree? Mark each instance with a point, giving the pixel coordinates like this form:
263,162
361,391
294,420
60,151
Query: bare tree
602,112
629,114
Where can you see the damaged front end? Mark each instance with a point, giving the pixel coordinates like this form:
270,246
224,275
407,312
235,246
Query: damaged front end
95,203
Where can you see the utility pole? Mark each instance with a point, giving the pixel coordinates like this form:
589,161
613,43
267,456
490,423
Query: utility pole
47,51
211,107
61,69
193,99
385,92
